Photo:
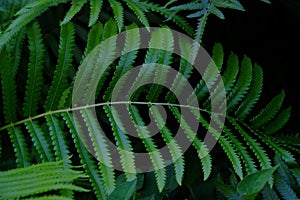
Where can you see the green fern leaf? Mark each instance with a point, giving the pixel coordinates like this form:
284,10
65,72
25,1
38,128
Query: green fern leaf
285,190
261,155
268,113
15,47
86,158
50,197
9,89
253,94
96,6
138,11
58,139
201,148
39,141
94,38
129,53
123,143
25,16
227,146
201,26
63,66
75,8
242,85
101,150
269,193
118,13
233,4
214,10
20,146
38,179
155,156
174,148
35,66
277,123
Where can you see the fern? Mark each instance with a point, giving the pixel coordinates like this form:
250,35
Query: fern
65,105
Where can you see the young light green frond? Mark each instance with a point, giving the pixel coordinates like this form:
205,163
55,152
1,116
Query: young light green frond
39,141
94,38
175,150
35,66
123,142
25,16
138,10
75,8
242,85
155,155
277,123
86,158
20,146
132,42
118,13
96,6
259,152
253,94
58,139
37,179
9,90
101,150
200,147
64,63
269,112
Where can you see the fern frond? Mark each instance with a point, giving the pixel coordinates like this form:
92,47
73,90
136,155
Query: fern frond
118,13
9,90
268,113
155,156
64,64
96,6
175,150
261,155
129,53
253,94
200,147
86,158
122,141
138,11
284,189
242,85
232,4
24,16
75,8
269,193
227,146
49,197
296,173
101,149
14,48
20,146
39,141
201,26
35,66
37,179
94,38
277,123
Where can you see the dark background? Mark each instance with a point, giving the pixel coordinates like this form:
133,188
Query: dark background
269,34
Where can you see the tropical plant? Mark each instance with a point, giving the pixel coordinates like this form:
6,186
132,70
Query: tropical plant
50,53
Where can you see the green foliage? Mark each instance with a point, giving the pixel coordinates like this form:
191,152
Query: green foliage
39,119
37,179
